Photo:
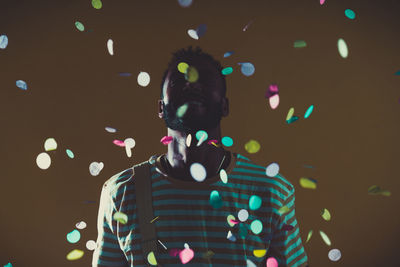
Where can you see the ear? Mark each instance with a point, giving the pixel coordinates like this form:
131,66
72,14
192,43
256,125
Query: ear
160,109
225,106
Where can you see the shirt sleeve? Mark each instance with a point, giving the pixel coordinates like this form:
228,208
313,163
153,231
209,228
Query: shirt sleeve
286,246
108,251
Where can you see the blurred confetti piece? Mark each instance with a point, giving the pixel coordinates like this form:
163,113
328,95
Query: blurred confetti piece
321,2
162,244
309,235
119,143
193,34
73,236
326,215
151,258
230,219
201,30
143,79
223,175
210,142
376,190
350,14
186,254
110,130
191,74
154,219
182,67
274,101
259,253
342,47
325,238
227,71
334,254
283,210
75,254
81,225
272,262
120,217
185,3
201,135
228,54
271,90
252,146
247,26
79,26
255,202
287,227
188,140
227,141
8,265
290,114
174,252
249,263
91,245
198,172
272,169
50,144
256,227
247,68
70,153
397,73
215,199
3,41
208,254
43,160
129,144
110,47
299,44
21,84
125,74
95,168
97,4
230,237
308,183
309,111
292,119
243,215
166,140
180,112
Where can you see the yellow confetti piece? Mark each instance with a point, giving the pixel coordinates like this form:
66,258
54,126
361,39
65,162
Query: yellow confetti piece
308,183
151,258
376,190
283,210
309,235
191,74
325,238
75,254
252,146
120,217
259,253
290,114
182,67
326,215
154,219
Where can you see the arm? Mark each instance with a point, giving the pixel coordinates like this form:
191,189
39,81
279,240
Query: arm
108,251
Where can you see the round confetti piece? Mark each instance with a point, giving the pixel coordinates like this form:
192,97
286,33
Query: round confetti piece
215,199
230,218
188,140
70,153
299,44
185,3
193,34
79,26
95,168
243,215
201,30
186,254
256,227
201,135
97,4
73,236
3,41
292,119
252,146
290,114
166,140
110,47
272,169
309,235
350,14
120,217
255,202
325,238
151,258
274,101
182,67
249,263
321,2
180,112
198,172
75,254
50,144
227,71
21,84
191,74
259,253
119,143
81,225
309,111
272,90
342,47
228,54
91,245
334,254
326,215
143,79
227,141
223,175
43,160
230,237
272,262
308,183
110,130
243,230
247,68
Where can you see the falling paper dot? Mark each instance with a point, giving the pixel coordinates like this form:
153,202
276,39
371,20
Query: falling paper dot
151,258
198,172
256,227
79,26
143,79
185,3
309,235
180,112
223,176
350,14
3,41
227,71
342,47
272,262
227,141
334,254
70,153
259,253
283,210
299,44
119,143
309,111
243,215
252,146
308,183
75,254
192,74
192,33
43,160
228,54
272,169
120,217
95,168
274,101
247,68
201,30
91,245
21,84
73,236
110,46
215,199
326,215
50,144
182,67
186,254
80,225
325,238
97,4
290,114
110,130
166,140
255,202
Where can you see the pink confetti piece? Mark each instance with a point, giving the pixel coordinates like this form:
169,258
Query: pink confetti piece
186,255
166,140
119,143
321,2
233,221
272,262
271,91
174,252
212,141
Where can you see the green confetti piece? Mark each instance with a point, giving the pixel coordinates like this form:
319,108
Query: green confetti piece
256,227
75,254
227,71
201,134
252,146
191,74
70,153
255,202
97,4
79,26
292,119
182,67
290,114
308,112
376,190
299,44
283,210
227,141
120,217
397,73
180,112
350,14
325,238
308,183
309,235
215,199
326,215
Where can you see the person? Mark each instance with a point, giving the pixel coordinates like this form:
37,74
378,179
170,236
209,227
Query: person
217,204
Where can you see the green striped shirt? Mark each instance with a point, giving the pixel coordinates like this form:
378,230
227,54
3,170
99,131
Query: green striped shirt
186,215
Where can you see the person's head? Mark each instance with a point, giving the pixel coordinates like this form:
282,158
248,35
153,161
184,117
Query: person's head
203,98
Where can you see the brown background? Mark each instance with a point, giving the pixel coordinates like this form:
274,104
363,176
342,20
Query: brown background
74,91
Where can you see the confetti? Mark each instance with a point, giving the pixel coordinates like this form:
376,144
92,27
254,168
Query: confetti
272,169
247,26
255,202
8,265
198,172
188,140
309,111
50,144
201,30
110,130
21,84
119,143
3,41
256,227
309,235
154,219
283,210
227,71
212,142
81,225
191,75
91,245
129,144
342,47
290,114
166,140
243,215
397,73
73,236
162,244
180,112
227,141
228,54
259,253
110,47
272,262
75,254
271,91
230,237
120,217
201,135
350,14
326,215
70,153
299,44
215,199
192,33
186,254
292,119
230,219
143,79
223,175
95,168
182,67
185,3
125,74
247,68
376,190
97,4
308,183
79,26
325,238
252,146
274,101
334,254
151,258
43,160
174,252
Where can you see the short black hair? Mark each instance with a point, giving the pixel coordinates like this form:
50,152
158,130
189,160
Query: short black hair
186,54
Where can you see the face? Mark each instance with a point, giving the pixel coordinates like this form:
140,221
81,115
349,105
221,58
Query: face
204,99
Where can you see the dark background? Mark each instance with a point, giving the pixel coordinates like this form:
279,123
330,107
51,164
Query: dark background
351,139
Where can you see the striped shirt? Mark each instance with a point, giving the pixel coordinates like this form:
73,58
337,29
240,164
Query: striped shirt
187,213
